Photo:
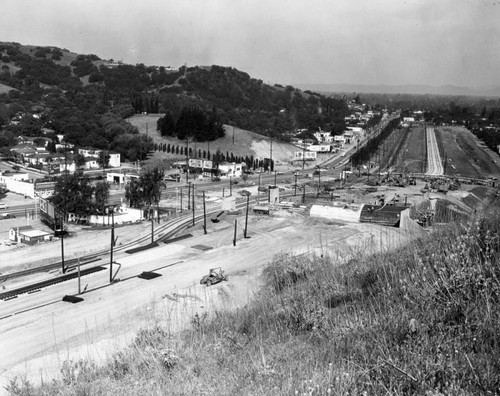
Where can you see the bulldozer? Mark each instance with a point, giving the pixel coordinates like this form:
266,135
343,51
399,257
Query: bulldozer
215,275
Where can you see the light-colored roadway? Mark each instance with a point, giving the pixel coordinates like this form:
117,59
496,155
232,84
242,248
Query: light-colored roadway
434,165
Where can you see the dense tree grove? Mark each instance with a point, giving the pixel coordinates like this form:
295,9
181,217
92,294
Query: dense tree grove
73,97
192,124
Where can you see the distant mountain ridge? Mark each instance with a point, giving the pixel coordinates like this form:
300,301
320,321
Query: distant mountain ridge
415,89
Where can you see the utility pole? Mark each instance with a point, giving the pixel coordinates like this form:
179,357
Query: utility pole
303,154
181,200
295,190
187,159
235,227
79,284
193,205
152,225
204,215
62,244
112,245
270,153
275,173
246,217
230,186
189,196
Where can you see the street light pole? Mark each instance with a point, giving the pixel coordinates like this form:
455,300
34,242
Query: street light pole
295,191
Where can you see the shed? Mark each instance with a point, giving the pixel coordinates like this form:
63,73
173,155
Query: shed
28,235
388,215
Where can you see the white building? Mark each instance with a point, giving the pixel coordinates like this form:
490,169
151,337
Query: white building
339,139
323,137
357,130
231,169
114,158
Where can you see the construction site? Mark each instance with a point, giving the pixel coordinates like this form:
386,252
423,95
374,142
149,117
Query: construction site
157,272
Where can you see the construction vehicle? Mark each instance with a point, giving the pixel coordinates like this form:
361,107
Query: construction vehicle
214,276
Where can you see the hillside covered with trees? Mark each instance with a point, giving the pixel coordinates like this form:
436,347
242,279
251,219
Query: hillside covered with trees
85,98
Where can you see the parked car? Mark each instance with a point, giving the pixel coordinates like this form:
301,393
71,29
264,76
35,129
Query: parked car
6,216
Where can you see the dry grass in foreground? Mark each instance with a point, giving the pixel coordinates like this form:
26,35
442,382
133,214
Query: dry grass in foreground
420,320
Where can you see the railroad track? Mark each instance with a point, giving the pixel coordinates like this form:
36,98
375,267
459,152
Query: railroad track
38,286
178,224
163,233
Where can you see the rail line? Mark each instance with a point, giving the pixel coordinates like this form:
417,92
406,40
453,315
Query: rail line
35,287
171,227
178,224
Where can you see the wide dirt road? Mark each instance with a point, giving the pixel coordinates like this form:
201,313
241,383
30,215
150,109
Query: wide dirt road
35,343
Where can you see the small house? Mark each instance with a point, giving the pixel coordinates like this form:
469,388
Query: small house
28,235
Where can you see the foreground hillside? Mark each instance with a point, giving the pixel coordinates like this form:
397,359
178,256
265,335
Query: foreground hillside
423,319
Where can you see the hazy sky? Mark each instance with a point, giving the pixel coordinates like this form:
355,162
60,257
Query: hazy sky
433,42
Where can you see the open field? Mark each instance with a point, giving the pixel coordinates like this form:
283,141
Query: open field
414,158
245,142
463,156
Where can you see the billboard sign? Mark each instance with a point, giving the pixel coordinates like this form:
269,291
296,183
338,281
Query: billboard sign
198,163
195,163
320,148
207,164
47,207
307,156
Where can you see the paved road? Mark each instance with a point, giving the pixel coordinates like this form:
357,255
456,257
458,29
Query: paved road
434,165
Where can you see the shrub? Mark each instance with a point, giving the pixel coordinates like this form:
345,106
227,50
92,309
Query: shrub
285,270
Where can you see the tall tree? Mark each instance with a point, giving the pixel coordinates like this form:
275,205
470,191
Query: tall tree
101,194
73,194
